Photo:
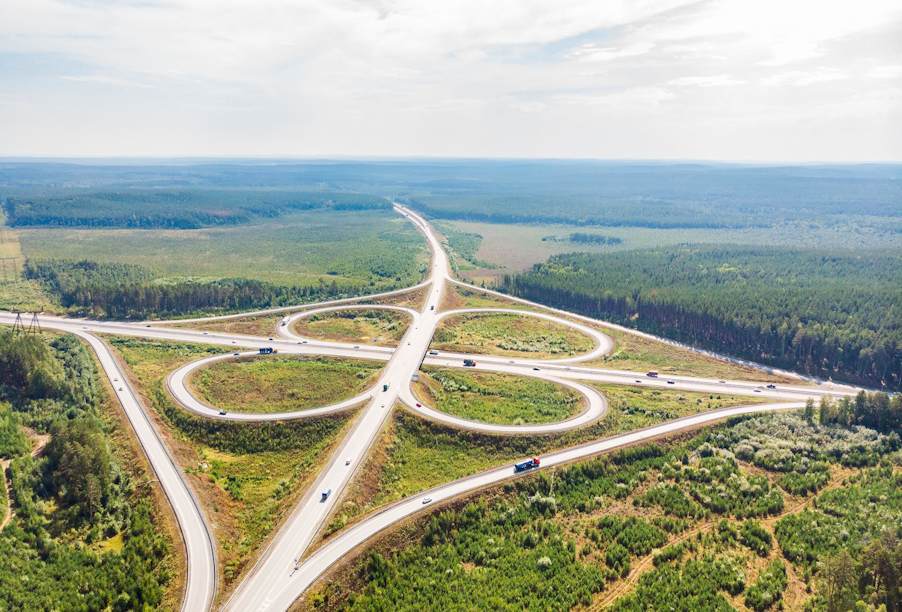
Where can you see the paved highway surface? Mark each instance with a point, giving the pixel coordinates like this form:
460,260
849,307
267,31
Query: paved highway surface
281,575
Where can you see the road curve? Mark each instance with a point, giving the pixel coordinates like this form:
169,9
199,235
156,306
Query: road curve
284,328
295,583
178,388
595,409
603,342
201,579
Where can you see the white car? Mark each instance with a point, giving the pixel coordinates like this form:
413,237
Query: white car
120,388
426,500
115,380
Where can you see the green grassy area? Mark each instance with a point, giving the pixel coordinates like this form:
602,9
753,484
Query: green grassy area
638,354
698,517
492,397
305,248
16,292
282,383
509,335
416,454
516,247
247,475
261,325
379,327
458,296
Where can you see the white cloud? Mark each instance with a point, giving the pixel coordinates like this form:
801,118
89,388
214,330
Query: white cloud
445,77
886,72
801,79
718,80
591,52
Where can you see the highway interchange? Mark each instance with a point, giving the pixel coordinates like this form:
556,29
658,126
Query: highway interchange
283,573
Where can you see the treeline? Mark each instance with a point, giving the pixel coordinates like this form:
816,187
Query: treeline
819,312
594,239
78,494
877,411
182,209
122,291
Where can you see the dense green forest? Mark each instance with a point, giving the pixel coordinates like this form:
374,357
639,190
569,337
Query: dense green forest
183,209
123,291
820,312
84,537
550,542
651,194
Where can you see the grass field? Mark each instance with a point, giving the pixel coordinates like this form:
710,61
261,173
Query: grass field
509,335
17,293
246,477
492,397
379,327
261,325
377,247
632,352
415,454
517,247
283,383
457,297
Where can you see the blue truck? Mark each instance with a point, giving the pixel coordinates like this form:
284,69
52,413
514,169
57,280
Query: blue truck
526,465
268,351
326,494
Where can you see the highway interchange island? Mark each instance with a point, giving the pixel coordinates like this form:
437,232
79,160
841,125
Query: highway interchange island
288,567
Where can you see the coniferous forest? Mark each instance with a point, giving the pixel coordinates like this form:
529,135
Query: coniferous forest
825,313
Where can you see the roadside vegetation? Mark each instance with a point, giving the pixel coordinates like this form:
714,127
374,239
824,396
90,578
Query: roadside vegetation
461,248
492,397
282,383
637,354
258,325
376,326
509,335
246,474
86,535
787,308
415,454
696,523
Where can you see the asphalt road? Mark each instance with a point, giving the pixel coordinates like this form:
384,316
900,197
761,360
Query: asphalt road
279,578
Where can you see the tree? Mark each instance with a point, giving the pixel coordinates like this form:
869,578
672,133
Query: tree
838,582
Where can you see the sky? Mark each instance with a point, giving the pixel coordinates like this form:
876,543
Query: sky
732,80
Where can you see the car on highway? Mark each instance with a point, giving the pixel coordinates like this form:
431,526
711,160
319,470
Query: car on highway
120,388
638,381
722,381
771,386
284,323
419,405
326,494
356,346
348,462
236,354
270,338
144,326
757,390
426,500
207,333
670,382
86,327
433,352
222,412
115,380
536,369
